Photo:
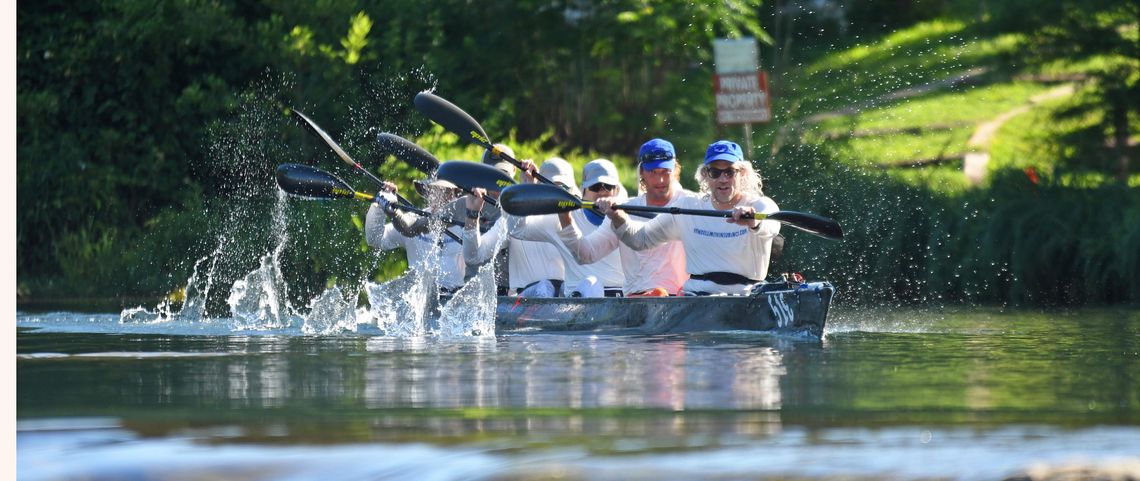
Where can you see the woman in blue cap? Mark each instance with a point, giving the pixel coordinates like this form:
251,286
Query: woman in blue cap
721,257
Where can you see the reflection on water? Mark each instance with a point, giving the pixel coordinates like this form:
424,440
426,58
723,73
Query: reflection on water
884,395
575,372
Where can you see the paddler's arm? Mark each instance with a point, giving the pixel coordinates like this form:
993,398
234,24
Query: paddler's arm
377,232
640,235
743,215
406,223
591,248
478,247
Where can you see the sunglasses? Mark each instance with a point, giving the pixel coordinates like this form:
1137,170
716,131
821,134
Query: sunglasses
715,173
600,186
654,157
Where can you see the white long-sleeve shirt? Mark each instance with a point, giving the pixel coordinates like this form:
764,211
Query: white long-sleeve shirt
531,261
711,244
380,234
545,228
527,261
660,266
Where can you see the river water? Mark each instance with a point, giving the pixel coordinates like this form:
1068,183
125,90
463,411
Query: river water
972,394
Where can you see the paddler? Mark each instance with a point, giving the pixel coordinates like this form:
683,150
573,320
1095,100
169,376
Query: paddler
602,277
446,262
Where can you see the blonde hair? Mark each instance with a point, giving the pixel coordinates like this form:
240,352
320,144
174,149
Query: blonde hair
748,181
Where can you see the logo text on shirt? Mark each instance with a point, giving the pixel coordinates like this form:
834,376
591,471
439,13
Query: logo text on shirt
723,235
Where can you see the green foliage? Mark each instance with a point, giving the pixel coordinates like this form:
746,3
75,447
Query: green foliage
114,97
606,75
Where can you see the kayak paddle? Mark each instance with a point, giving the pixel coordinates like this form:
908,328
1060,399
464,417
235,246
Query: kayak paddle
469,175
409,152
312,183
313,128
421,160
458,122
539,199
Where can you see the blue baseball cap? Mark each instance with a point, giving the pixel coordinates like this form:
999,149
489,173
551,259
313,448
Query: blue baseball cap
724,150
657,154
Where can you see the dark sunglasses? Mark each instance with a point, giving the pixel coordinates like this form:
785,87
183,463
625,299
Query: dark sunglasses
715,173
600,186
654,157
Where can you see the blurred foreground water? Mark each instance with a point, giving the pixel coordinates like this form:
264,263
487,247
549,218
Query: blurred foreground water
892,394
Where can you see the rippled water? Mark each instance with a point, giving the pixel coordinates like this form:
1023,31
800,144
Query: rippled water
898,394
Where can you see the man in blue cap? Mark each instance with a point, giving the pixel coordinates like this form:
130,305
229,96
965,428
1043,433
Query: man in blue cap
720,257
656,271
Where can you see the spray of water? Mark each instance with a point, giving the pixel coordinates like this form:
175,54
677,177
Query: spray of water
255,259
260,300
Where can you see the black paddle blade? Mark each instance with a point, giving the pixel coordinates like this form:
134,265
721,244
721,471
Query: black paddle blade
305,181
452,118
409,152
469,175
537,199
815,224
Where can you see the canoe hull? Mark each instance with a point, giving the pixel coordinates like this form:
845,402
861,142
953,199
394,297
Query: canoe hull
799,310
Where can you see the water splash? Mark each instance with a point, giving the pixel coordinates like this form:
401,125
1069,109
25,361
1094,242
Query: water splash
402,307
471,311
329,313
193,307
254,259
261,299
258,300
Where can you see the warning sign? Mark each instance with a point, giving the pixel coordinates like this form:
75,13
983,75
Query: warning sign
742,98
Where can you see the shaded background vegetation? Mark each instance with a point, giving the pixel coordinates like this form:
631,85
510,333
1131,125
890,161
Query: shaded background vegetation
148,131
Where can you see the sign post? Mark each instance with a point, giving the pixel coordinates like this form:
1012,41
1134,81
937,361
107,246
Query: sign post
741,89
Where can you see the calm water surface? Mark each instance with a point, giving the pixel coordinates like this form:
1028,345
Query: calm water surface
963,395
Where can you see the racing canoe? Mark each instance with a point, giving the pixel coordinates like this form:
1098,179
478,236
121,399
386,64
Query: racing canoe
793,309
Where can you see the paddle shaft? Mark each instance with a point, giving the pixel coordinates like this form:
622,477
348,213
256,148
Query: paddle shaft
319,132
674,210
820,226
486,144
409,208
414,210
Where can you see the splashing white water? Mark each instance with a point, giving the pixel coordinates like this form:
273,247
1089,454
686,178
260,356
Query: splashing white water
406,307
194,305
258,300
329,313
471,311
